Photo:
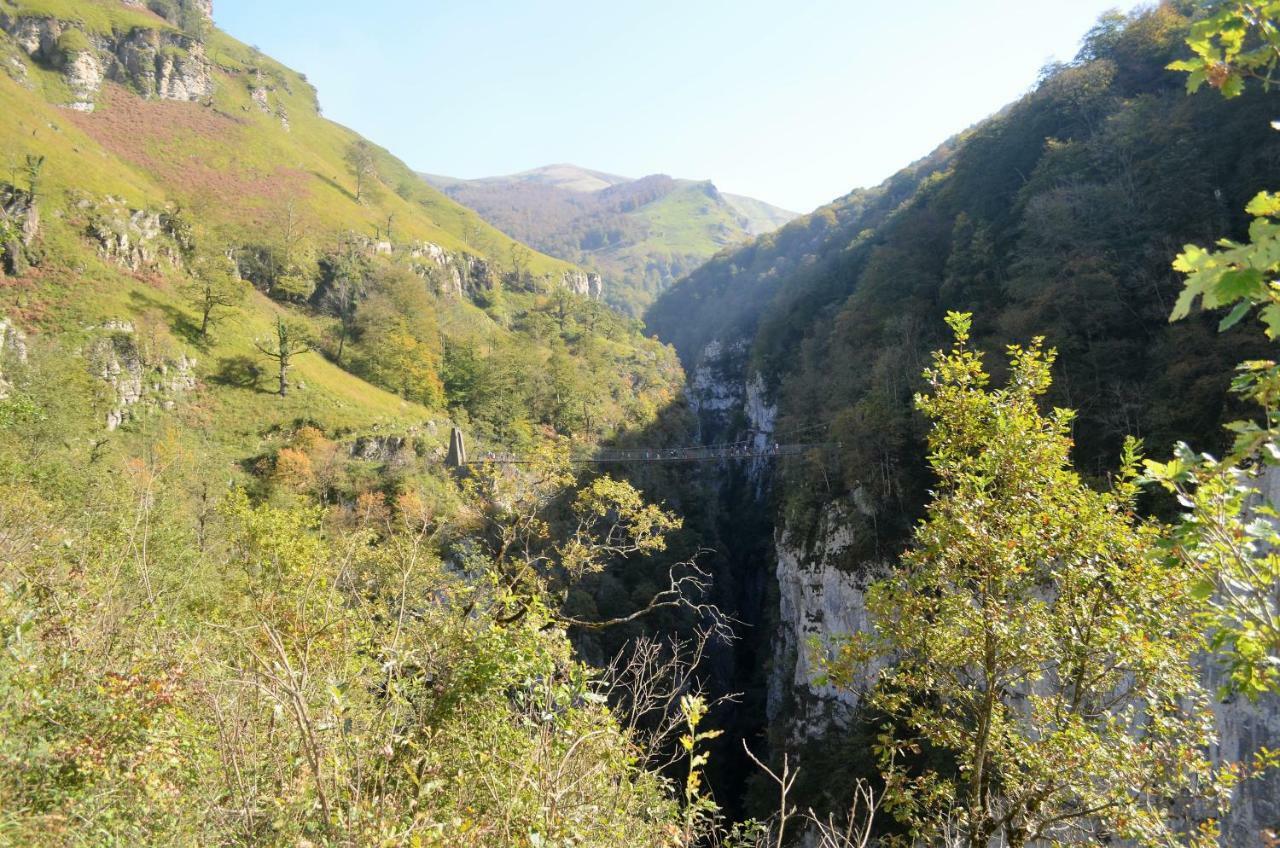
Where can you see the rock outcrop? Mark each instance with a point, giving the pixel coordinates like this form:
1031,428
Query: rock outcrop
13,351
136,384
380,448
136,239
204,8
460,275
584,284
262,96
19,227
159,62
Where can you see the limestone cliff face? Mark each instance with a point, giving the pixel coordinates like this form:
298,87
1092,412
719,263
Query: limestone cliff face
19,227
1243,728
449,273
13,354
821,596
159,62
584,284
136,381
135,239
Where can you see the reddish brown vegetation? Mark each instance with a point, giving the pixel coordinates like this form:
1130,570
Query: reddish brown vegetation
176,143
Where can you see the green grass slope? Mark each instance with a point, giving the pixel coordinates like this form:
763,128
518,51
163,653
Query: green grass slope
237,164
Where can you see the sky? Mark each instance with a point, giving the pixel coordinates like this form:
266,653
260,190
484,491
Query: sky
794,102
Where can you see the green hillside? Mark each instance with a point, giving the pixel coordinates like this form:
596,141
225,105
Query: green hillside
253,164
639,234
244,600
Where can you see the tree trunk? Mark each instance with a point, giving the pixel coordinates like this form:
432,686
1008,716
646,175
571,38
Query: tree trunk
979,820
284,376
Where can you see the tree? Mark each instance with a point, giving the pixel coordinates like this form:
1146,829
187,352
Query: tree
293,262
362,164
344,296
1036,644
33,168
538,540
519,263
215,290
291,339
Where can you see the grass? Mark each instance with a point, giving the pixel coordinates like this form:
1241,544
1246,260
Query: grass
102,17
234,167
688,220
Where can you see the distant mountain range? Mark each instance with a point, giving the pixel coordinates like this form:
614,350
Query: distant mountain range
641,234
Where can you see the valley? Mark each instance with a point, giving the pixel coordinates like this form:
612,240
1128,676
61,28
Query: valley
346,505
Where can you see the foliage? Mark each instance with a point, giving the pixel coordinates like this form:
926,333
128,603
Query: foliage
290,340
1055,661
1237,42
363,165
1056,217
73,42
1228,532
215,290
33,167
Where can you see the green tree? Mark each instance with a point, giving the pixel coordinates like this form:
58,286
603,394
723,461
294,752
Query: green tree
362,164
344,296
215,289
1032,637
33,168
520,256
290,339
292,258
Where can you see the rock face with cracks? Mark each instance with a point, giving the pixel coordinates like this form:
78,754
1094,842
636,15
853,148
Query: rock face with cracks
156,62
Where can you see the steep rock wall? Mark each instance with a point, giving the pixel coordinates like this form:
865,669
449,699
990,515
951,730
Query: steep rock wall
821,595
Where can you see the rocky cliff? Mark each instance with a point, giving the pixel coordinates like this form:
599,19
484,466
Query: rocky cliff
821,573
138,378
157,61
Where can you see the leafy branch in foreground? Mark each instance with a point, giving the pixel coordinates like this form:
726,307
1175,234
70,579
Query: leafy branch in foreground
1230,529
538,542
1237,43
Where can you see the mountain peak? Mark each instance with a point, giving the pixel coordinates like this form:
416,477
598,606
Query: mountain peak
565,176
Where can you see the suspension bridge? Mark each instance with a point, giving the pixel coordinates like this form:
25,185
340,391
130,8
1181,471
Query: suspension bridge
741,451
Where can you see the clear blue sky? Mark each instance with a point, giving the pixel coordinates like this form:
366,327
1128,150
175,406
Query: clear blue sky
794,102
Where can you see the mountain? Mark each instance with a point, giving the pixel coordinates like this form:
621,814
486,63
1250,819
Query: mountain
640,234
244,597
1058,217
163,140
567,177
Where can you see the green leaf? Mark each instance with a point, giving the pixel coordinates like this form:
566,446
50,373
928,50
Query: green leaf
1271,317
1237,284
1203,590
1233,318
1264,205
